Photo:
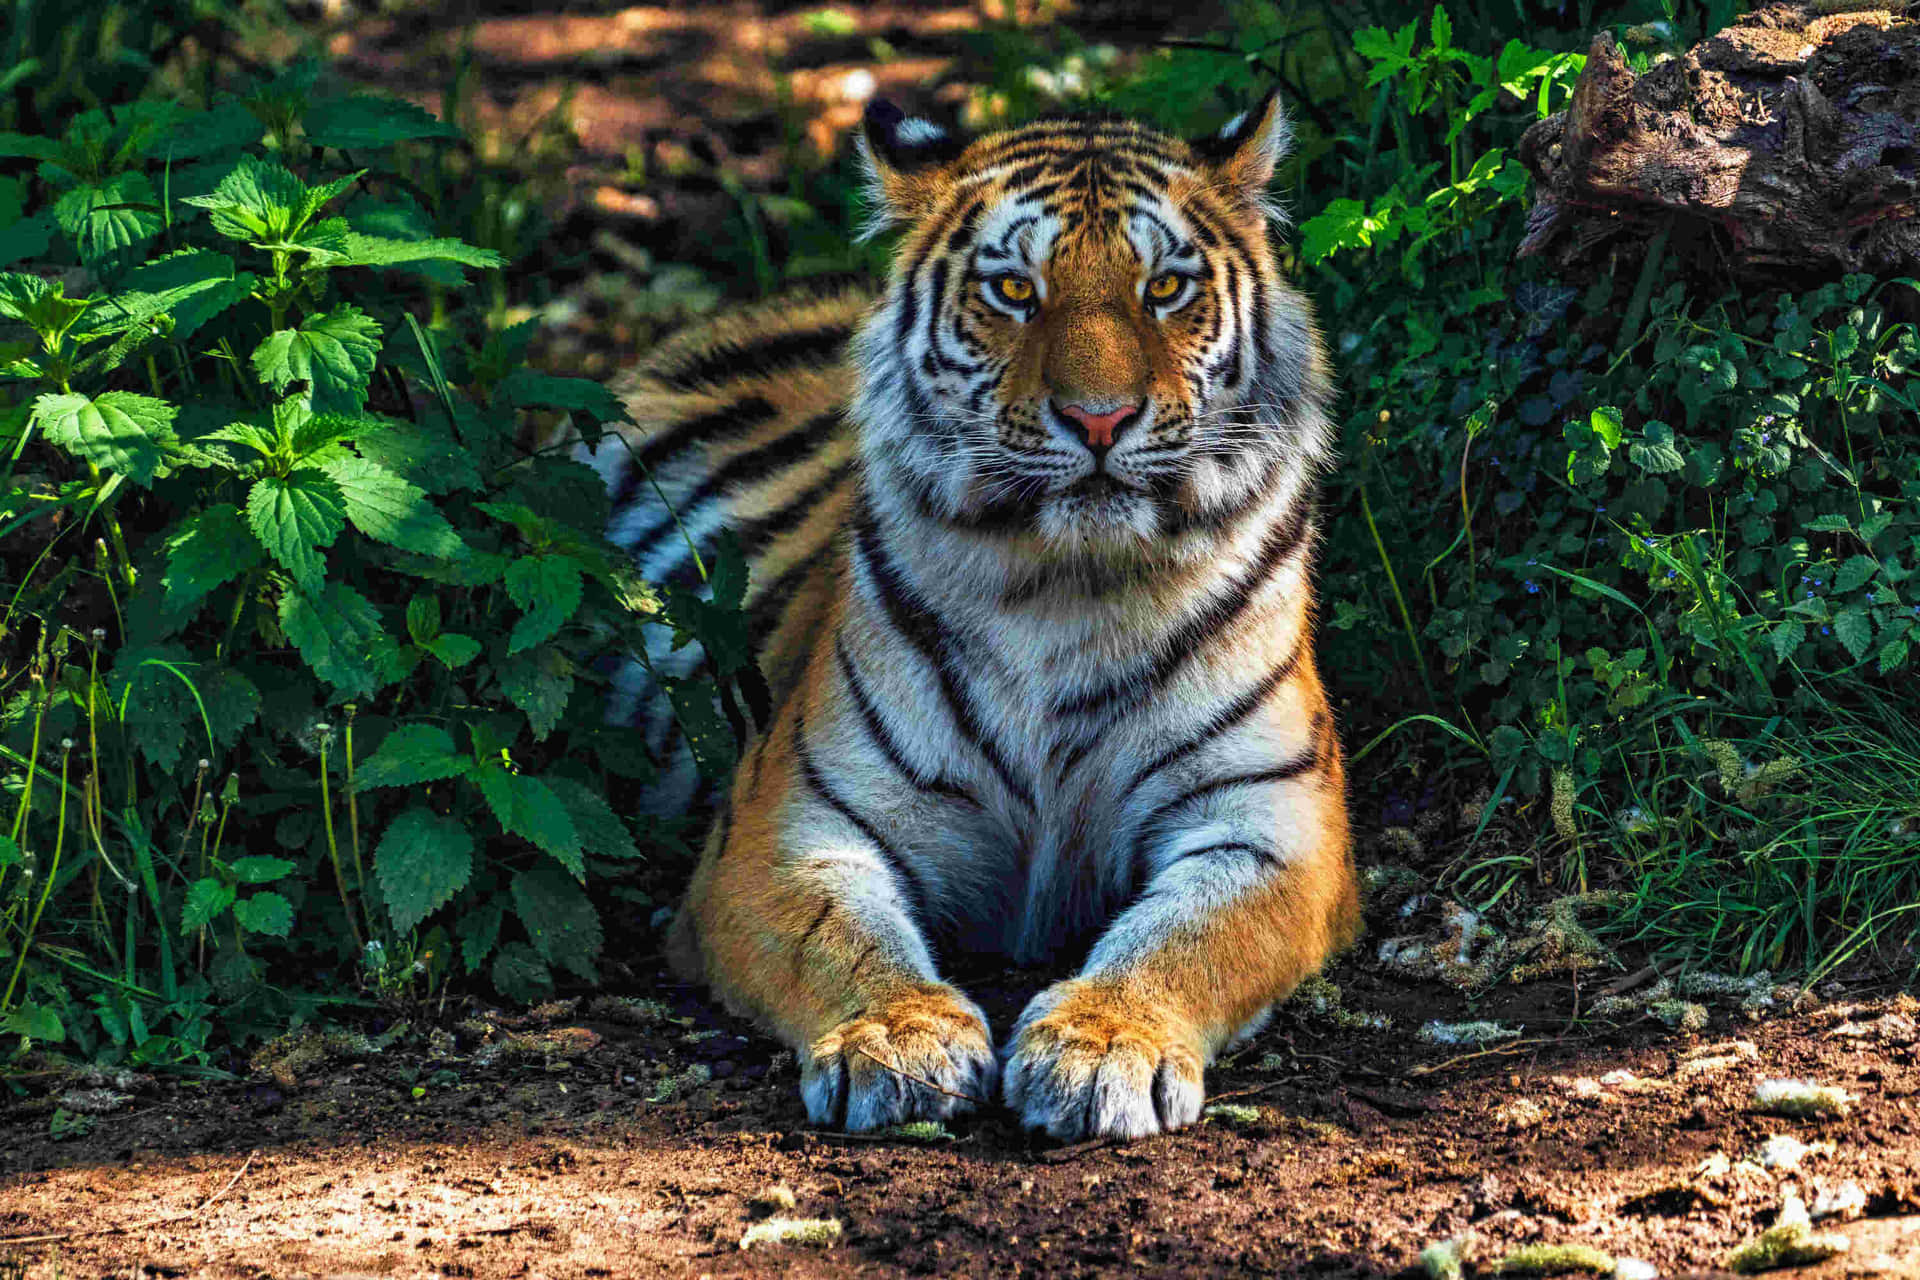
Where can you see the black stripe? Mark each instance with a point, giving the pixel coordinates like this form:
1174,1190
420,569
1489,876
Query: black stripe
883,737
1291,769
800,949
1235,846
1223,720
747,468
821,344
910,883
921,627
721,424
1207,622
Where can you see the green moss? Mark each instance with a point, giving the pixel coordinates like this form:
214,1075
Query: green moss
1554,1259
921,1131
810,1231
1233,1113
1442,1260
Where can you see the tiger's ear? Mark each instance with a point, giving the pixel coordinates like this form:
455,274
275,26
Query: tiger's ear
1250,147
905,158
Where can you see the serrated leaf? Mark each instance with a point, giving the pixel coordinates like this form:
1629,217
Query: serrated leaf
559,918
425,456
423,860
526,386
1608,425
206,899
520,974
360,250
527,807
1785,638
478,929
1655,452
388,509
423,617
453,649
364,120
117,431
294,517
1854,629
548,589
338,634
108,219
231,701
707,733
267,913
256,202
539,683
411,754
602,834
25,239
260,869
208,551
1854,573
1830,524
1893,656
333,353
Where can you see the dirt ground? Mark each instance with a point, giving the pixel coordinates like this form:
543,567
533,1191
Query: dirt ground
624,1138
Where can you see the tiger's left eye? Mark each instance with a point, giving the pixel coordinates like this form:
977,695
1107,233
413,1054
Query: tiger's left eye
1015,289
1165,287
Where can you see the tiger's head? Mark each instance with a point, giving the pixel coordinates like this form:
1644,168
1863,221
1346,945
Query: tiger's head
1086,338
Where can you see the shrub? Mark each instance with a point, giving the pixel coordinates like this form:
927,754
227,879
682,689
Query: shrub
306,592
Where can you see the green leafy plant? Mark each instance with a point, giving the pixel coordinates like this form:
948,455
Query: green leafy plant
282,513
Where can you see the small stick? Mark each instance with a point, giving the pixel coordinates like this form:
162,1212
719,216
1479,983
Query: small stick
162,1220
925,1084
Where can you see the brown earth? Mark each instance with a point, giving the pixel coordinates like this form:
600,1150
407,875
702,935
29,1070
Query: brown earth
556,1159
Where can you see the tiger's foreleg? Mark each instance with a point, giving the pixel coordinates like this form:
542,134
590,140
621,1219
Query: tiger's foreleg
803,919
1251,890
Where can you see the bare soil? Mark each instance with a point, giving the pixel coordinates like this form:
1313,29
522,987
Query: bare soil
555,1159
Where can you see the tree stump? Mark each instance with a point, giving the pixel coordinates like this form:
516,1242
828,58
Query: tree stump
1789,139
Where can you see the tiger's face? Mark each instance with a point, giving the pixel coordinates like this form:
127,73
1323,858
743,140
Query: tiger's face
1086,338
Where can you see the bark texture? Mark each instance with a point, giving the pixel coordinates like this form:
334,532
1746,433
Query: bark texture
1790,137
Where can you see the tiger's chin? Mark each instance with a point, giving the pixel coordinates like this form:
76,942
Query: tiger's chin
1099,513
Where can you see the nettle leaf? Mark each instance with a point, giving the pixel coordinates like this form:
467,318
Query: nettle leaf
526,386
539,683
1854,573
411,754
364,120
209,550
338,634
453,649
118,431
256,201
206,899
25,239
1893,656
1854,629
296,515
601,831
267,913
231,701
388,509
478,929
527,807
333,353
708,735
425,456
559,917
520,974
422,861
548,589
423,618
361,250
192,286
35,1022
260,869
108,219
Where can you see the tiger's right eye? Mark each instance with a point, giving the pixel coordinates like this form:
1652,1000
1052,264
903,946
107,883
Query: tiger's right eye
1015,289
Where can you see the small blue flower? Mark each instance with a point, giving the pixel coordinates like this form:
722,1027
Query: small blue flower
1537,562
1646,542
1533,588
1826,631
1670,573
1602,539
1870,596
1819,582
1809,595
1600,511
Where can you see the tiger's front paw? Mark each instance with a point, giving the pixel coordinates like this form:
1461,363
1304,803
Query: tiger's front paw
873,1070
1085,1063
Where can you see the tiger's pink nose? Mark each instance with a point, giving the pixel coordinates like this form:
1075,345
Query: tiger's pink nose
1101,427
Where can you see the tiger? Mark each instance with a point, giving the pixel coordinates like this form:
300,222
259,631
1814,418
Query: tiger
1029,533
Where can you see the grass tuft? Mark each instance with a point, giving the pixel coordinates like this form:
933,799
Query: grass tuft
1801,1099
807,1231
